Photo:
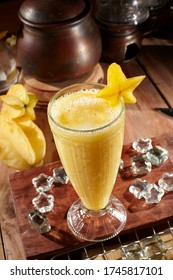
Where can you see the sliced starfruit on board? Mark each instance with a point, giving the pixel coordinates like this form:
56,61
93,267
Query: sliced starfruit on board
10,155
22,144
12,101
29,110
118,86
20,92
18,102
12,112
36,138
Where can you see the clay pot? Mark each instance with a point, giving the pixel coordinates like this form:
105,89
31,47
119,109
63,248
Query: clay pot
58,40
119,43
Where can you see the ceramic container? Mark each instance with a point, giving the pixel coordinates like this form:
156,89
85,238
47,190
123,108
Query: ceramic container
57,40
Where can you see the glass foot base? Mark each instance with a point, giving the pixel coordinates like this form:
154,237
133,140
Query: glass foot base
99,225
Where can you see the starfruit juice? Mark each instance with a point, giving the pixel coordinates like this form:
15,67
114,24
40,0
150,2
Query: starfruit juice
88,133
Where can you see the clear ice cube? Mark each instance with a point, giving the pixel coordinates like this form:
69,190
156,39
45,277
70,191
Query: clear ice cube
60,176
166,182
132,251
43,182
142,145
138,187
140,165
43,202
39,221
121,165
153,247
114,254
152,194
157,155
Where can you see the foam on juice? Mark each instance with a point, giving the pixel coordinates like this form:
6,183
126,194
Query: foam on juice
84,111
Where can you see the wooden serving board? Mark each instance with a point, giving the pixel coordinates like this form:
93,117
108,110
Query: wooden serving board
60,239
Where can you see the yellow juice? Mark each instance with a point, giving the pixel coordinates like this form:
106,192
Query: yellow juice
88,133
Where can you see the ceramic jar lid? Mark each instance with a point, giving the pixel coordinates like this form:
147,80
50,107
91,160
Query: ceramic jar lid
45,12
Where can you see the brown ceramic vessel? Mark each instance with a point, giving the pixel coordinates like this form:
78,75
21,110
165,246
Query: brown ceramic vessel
119,43
58,40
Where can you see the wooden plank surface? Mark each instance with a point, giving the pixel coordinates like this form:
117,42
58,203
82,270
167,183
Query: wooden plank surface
141,118
12,245
156,58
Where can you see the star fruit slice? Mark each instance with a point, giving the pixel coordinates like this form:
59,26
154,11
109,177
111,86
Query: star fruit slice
119,86
12,106
20,142
29,110
12,112
20,92
36,138
18,102
11,100
10,156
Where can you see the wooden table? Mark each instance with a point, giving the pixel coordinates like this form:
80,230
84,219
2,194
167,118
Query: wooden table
156,62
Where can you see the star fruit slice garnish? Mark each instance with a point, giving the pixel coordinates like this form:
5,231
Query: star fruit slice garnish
119,86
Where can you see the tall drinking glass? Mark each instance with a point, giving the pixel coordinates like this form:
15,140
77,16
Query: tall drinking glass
88,133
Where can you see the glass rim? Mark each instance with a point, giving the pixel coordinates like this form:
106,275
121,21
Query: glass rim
72,130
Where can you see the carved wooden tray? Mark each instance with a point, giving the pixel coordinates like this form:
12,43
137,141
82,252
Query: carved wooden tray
60,239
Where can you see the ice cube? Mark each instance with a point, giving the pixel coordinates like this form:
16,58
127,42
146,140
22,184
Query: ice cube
157,155
43,202
152,193
166,182
132,251
140,165
121,165
60,176
142,145
43,182
153,247
138,187
39,221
